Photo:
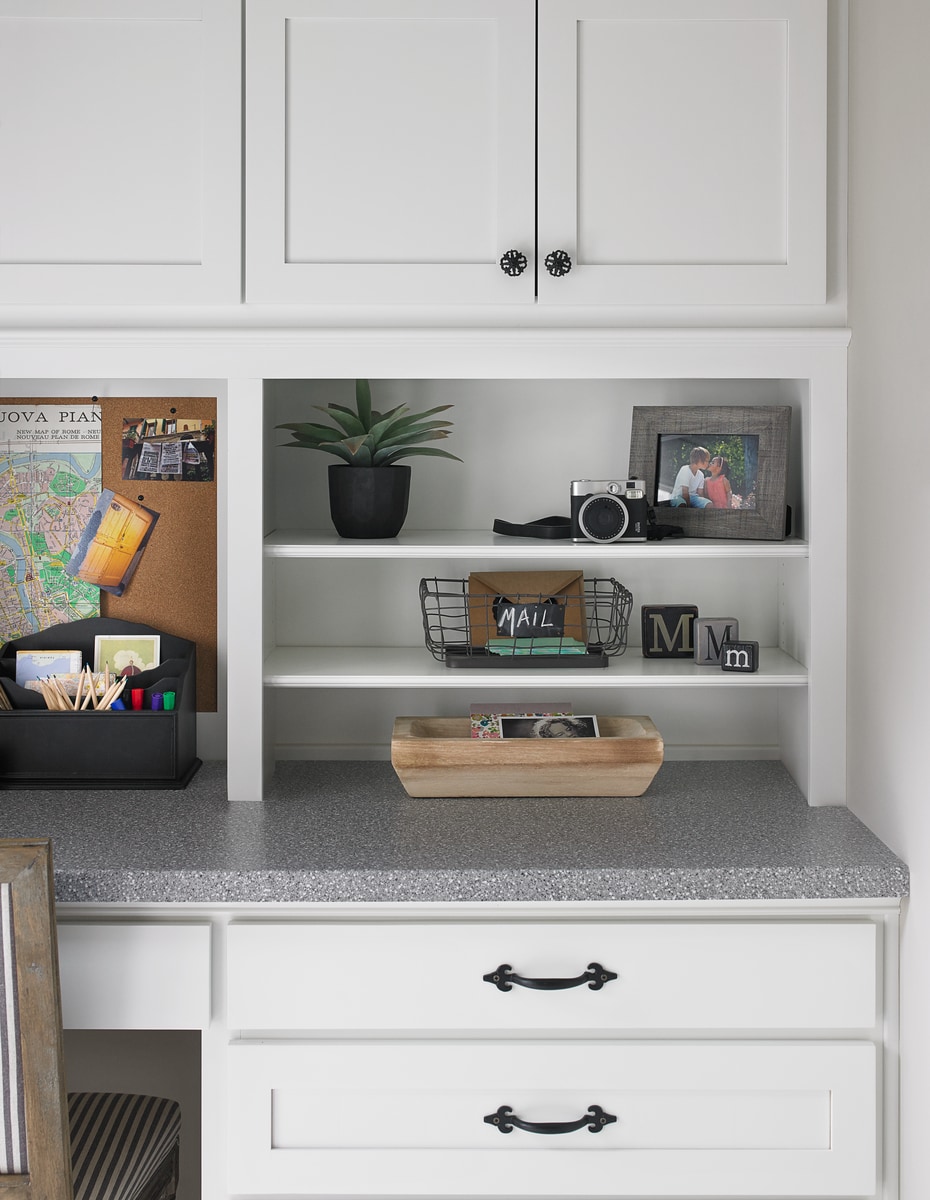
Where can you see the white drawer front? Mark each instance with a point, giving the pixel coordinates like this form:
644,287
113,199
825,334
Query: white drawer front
134,976
669,976
711,1119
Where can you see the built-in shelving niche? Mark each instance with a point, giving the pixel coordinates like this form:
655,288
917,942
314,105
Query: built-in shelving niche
343,637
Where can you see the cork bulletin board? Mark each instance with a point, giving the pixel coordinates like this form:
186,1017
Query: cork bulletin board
174,587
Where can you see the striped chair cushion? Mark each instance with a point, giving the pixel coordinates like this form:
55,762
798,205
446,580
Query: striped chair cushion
118,1142
12,1103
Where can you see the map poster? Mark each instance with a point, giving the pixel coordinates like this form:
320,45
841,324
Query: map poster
50,482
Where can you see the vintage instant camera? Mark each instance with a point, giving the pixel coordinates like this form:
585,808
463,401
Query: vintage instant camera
609,510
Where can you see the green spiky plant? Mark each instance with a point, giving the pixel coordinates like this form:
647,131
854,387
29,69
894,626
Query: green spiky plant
368,438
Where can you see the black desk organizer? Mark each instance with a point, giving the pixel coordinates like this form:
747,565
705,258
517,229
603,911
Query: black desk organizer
103,750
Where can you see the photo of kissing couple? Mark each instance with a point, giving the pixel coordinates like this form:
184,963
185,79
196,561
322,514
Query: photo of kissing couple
708,472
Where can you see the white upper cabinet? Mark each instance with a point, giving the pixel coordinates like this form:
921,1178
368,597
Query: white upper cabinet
390,150
621,152
120,151
682,151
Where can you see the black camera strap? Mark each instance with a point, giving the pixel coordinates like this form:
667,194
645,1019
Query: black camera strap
545,527
656,532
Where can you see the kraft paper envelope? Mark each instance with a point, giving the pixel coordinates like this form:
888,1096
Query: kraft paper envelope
524,587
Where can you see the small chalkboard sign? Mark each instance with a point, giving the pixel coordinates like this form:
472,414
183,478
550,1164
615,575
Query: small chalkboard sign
529,620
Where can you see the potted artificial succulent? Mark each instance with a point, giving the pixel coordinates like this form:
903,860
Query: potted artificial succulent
369,489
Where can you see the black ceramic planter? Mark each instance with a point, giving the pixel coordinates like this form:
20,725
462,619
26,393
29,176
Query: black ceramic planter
368,502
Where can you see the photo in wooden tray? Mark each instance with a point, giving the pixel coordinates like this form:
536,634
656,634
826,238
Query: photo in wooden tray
549,727
485,719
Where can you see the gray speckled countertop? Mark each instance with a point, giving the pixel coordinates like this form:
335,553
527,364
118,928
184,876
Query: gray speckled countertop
347,831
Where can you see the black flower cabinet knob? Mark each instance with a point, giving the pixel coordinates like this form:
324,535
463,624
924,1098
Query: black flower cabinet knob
513,262
558,263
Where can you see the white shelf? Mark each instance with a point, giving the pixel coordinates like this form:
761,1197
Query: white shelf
413,667
445,543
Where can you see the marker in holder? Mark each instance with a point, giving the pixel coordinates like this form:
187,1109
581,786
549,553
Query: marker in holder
169,698
137,695
157,698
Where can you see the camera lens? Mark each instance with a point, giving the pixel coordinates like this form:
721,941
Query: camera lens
603,518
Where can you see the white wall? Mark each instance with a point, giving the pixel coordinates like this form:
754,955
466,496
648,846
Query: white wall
889,439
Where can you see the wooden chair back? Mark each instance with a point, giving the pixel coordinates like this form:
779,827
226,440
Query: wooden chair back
35,1155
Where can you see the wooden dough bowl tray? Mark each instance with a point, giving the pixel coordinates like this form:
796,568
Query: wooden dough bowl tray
436,756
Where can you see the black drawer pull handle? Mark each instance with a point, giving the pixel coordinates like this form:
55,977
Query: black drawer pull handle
595,1119
505,977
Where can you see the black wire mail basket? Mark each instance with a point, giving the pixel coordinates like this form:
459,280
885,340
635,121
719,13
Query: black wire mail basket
526,630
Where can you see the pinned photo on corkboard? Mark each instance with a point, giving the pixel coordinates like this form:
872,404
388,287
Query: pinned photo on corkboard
112,543
174,448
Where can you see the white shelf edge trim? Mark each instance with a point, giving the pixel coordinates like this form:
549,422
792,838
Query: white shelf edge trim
400,667
293,543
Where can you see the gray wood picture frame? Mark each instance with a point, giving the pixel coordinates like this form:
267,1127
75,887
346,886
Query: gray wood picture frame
772,426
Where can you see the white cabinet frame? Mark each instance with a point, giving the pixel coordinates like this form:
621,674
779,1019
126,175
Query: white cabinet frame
861,1064
812,601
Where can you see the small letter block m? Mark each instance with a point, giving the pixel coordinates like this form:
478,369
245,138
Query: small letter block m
740,656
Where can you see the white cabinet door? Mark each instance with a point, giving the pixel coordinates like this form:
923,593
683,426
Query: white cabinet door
390,150
682,151
409,1119
120,151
